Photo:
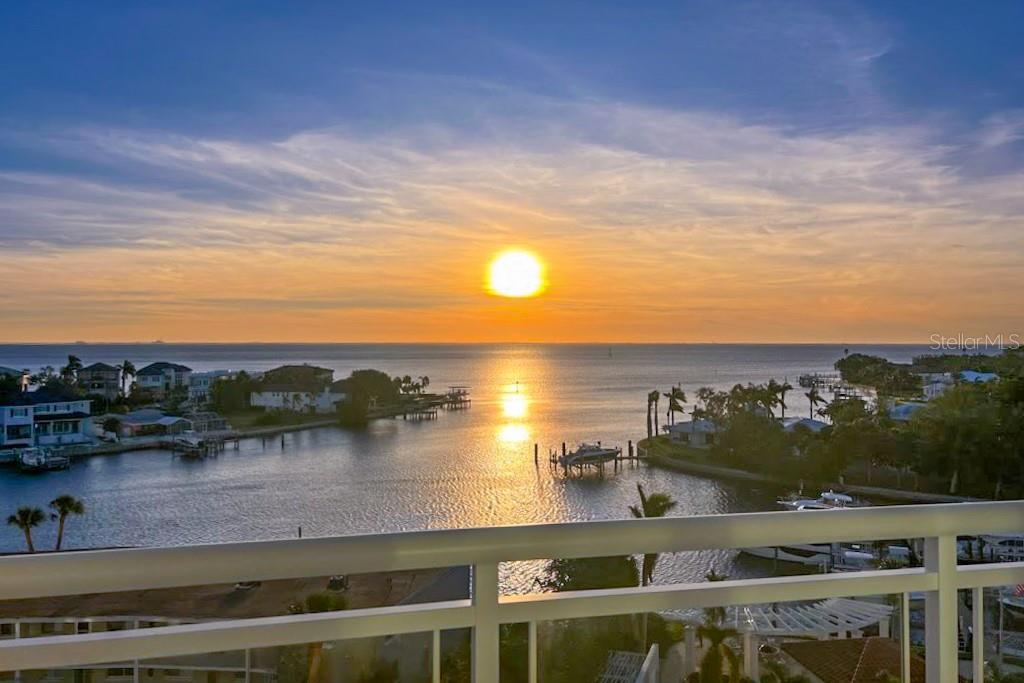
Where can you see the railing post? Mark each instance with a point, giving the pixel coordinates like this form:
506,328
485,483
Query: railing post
905,637
941,664
978,634
531,646
485,623
435,656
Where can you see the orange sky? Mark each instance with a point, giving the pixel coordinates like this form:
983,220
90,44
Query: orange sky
721,232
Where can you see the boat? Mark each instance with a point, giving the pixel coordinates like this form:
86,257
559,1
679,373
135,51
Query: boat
826,500
42,460
589,454
811,554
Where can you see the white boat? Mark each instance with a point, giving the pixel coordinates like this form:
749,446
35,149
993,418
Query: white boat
826,500
1003,548
589,454
42,460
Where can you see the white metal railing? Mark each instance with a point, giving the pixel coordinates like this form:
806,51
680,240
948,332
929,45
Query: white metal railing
44,575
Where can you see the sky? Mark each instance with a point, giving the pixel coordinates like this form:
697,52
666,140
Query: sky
687,171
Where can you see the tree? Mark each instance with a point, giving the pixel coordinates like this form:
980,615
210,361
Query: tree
783,389
814,398
125,370
69,373
112,424
316,603
714,616
652,399
655,505
424,382
27,518
718,655
676,398
64,505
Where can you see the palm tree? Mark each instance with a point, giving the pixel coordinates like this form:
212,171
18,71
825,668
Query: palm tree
814,398
653,398
719,653
783,389
126,369
26,519
676,399
69,373
424,382
314,604
64,505
655,505
714,616
649,432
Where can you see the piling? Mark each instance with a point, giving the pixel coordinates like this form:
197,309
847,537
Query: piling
536,455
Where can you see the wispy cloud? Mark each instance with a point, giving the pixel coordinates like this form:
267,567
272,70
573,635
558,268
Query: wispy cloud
686,212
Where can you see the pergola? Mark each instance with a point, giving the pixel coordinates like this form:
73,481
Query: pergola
839,616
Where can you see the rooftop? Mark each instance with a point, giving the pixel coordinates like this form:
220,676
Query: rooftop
160,367
856,660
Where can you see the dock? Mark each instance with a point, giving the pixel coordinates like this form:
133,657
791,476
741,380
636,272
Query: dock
580,462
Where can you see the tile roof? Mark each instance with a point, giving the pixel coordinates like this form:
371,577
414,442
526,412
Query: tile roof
853,660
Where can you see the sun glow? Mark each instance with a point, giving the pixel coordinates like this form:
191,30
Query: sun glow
516,273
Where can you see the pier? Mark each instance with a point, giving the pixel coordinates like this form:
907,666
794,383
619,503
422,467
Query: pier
588,458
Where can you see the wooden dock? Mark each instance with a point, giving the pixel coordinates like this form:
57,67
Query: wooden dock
617,458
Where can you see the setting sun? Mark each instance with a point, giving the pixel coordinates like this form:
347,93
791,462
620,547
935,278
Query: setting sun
516,273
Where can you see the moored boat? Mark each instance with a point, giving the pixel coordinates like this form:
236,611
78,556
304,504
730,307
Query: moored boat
42,460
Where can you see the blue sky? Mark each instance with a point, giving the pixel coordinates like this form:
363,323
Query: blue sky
726,134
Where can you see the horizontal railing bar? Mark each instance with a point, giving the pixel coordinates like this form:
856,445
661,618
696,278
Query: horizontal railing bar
607,602
988,575
101,571
225,636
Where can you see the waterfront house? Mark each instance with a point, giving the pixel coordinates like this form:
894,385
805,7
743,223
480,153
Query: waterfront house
147,422
298,388
100,379
696,433
46,417
162,378
200,384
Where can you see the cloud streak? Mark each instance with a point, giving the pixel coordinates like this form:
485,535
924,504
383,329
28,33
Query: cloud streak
693,213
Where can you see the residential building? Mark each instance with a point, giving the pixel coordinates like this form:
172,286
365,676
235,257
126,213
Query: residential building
44,418
100,379
696,433
902,412
162,378
200,383
978,377
298,388
146,422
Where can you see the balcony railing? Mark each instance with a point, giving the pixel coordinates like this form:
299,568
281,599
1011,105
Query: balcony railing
45,575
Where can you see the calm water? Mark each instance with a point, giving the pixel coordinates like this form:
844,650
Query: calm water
468,468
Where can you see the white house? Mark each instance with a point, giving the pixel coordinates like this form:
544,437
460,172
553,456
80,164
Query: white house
163,378
44,418
696,433
292,398
978,377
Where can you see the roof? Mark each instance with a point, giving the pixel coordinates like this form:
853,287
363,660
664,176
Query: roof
98,367
147,416
972,376
901,412
53,417
791,423
294,388
160,367
11,371
695,426
44,395
854,660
